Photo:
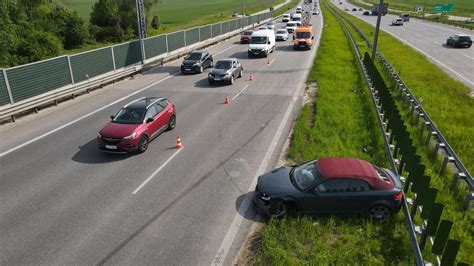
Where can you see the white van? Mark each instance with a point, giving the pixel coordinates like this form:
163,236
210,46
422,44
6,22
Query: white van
296,17
299,9
285,18
262,43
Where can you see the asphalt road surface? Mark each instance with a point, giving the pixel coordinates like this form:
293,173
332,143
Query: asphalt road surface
429,39
64,202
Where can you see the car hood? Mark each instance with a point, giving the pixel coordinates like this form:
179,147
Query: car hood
276,182
220,71
190,62
116,130
301,40
257,46
281,34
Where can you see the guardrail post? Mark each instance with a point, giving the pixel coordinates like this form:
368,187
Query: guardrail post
446,160
456,177
113,57
467,201
439,146
427,124
7,84
166,39
70,69
428,138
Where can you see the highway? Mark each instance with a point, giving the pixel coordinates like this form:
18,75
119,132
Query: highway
64,202
429,39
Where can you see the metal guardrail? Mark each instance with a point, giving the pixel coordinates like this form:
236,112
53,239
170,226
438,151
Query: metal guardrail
433,132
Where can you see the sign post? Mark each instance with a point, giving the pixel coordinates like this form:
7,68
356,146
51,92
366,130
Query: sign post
376,37
141,27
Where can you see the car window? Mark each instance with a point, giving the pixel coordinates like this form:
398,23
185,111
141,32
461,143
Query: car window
152,112
159,108
162,103
129,116
358,185
193,56
306,175
465,38
223,65
334,185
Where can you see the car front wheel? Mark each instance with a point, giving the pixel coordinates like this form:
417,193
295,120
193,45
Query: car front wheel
142,144
278,209
201,69
379,213
231,81
172,122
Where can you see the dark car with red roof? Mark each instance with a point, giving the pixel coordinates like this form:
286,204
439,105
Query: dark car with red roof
329,185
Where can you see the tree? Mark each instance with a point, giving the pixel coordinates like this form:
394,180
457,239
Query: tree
38,45
155,22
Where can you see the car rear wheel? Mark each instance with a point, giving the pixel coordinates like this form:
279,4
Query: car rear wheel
172,122
142,144
379,213
278,209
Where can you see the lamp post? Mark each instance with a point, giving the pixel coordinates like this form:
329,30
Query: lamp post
141,27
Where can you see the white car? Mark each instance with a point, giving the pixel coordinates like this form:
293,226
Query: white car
270,25
281,35
397,22
285,18
291,26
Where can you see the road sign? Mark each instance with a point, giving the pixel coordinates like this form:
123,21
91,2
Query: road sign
443,8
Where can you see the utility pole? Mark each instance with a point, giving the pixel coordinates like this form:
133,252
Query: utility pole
141,27
379,17
424,7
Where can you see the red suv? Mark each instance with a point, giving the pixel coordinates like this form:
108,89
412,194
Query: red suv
136,124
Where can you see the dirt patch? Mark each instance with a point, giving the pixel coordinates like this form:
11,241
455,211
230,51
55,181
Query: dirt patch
246,255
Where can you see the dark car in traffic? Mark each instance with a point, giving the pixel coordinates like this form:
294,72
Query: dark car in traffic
366,13
136,124
225,70
246,36
459,40
196,62
329,185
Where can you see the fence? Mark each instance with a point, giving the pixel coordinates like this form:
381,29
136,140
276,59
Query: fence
22,83
402,156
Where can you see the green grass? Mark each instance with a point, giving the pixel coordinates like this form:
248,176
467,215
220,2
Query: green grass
453,200
461,7
342,122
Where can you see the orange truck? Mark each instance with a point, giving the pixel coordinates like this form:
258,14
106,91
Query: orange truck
303,37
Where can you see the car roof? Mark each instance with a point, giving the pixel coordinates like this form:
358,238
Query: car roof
198,51
143,103
462,35
334,168
228,59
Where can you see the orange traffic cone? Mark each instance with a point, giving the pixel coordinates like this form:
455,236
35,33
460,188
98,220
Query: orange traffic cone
226,100
268,61
179,145
250,76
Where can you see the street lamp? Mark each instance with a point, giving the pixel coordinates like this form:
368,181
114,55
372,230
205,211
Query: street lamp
141,27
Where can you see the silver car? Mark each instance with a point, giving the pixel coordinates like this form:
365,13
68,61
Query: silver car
281,35
225,70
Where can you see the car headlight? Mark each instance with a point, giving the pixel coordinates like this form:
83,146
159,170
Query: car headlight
196,64
99,135
265,197
210,75
131,136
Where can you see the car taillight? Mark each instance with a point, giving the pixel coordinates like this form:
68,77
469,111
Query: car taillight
398,196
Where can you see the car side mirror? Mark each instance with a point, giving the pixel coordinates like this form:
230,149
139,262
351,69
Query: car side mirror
112,117
149,120
268,42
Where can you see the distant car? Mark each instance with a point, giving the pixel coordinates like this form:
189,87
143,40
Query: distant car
235,14
405,17
316,12
366,13
360,9
397,22
246,36
340,3
136,124
285,18
262,28
354,9
346,9
291,27
196,62
459,40
281,35
270,25
329,185
225,70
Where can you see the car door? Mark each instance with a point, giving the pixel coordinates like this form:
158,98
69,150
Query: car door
359,196
328,196
234,68
150,120
206,60
161,118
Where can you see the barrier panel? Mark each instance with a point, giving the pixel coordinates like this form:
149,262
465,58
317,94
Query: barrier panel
192,36
127,54
205,32
216,29
4,98
82,69
225,27
34,79
175,41
155,46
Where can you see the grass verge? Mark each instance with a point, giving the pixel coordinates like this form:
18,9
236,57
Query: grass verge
463,228
341,122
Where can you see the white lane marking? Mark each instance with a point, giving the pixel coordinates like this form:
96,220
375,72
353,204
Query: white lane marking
226,49
221,254
157,171
94,112
85,116
238,94
469,57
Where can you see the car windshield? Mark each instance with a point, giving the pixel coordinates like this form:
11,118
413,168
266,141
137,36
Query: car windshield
302,35
296,19
193,56
305,175
281,31
248,33
258,40
223,65
464,38
129,116
291,25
